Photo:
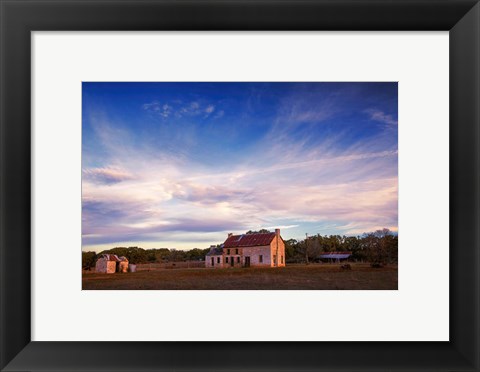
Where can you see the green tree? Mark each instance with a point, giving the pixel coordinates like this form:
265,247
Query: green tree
134,255
88,260
261,231
381,246
290,245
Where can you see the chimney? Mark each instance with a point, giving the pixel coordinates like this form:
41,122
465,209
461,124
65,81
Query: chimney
277,232
230,234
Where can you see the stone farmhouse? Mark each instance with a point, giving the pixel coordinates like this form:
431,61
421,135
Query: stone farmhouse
256,250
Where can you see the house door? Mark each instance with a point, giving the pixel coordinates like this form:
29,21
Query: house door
232,259
247,261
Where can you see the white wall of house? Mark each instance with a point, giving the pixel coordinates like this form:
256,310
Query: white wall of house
236,258
255,252
217,261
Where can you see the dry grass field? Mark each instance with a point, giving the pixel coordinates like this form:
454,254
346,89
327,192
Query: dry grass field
311,277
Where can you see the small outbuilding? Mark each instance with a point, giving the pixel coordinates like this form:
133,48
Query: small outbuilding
335,256
111,263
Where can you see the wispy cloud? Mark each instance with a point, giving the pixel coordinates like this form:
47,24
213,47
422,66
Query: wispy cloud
106,175
313,106
381,117
179,109
284,227
219,114
164,110
154,205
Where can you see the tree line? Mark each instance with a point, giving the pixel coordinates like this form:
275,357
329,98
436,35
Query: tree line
137,255
380,247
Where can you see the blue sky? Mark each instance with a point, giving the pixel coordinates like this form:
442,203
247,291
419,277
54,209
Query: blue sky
179,165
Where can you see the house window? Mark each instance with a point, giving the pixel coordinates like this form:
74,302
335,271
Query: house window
238,259
226,259
228,252
260,258
213,261
218,260
281,257
274,258
236,251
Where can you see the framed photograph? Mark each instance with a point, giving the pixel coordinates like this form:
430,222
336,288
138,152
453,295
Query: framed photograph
239,185
189,161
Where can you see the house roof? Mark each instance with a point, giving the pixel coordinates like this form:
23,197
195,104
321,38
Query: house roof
215,252
113,257
248,240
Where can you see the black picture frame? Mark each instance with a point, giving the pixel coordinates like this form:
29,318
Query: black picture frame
18,18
